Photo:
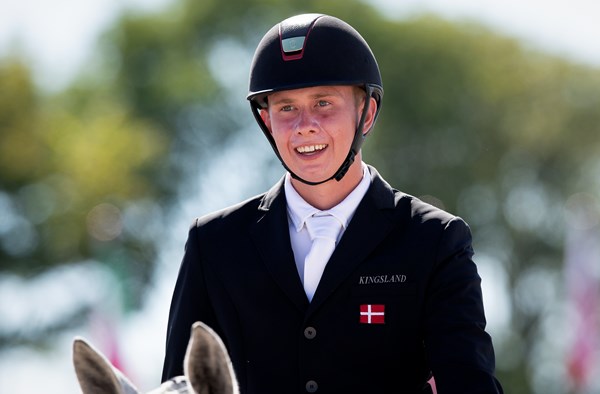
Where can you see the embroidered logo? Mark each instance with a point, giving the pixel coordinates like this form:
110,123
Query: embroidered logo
381,279
372,314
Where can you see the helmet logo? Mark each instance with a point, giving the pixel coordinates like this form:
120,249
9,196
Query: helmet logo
293,44
293,33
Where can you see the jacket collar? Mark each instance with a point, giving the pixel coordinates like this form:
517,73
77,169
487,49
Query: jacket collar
380,191
271,236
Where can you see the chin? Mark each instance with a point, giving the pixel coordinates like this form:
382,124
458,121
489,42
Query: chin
313,176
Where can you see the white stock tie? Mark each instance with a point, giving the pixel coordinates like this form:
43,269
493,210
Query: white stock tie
323,230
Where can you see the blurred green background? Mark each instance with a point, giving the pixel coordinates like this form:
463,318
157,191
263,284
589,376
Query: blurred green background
100,179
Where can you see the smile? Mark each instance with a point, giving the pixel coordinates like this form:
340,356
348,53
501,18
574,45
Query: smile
310,148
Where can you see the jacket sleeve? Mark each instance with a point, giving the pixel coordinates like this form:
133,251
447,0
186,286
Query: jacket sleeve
459,349
189,304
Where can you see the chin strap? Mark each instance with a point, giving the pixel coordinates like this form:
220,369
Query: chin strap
359,138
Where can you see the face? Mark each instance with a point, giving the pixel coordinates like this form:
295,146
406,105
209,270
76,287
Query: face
313,128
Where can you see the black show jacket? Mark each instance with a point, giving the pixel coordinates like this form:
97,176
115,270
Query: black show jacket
406,261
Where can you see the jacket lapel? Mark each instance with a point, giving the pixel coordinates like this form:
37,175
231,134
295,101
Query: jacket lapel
370,224
272,238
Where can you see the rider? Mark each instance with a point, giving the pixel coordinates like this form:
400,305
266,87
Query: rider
393,299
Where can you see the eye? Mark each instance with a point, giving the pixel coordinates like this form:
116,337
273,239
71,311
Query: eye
323,103
286,108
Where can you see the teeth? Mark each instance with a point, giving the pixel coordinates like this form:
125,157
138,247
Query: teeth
310,148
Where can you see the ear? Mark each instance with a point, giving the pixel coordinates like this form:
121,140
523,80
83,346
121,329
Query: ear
370,116
95,374
207,364
266,118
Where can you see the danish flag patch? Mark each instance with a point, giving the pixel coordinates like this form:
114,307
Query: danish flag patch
372,314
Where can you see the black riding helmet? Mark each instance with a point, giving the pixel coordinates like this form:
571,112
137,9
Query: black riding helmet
313,50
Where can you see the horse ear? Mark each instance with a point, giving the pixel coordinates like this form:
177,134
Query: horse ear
207,364
95,374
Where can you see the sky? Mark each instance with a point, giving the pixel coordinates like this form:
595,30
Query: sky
564,27
57,37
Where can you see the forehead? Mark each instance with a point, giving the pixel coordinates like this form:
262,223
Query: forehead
311,92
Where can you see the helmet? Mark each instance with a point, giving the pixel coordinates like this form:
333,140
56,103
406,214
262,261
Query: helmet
313,50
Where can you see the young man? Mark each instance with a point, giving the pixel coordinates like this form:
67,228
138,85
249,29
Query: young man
386,300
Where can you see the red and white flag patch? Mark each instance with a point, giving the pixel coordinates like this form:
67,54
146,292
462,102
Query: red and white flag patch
372,314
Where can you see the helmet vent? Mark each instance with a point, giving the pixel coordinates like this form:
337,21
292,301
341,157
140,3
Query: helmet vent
293,44
293,33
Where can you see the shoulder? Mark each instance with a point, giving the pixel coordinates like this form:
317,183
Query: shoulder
406,207
241,215
424,212
232,215
430,219
430,227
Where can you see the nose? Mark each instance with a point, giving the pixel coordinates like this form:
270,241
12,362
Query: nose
306,123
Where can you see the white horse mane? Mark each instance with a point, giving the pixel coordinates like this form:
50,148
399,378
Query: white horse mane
207,369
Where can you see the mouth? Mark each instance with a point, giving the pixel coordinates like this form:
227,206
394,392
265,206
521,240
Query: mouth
308,149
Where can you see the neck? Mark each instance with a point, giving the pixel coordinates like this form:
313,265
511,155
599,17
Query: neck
329,194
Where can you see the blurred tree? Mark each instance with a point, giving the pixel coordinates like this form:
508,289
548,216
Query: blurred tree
472,121
56,164
91,173
70,171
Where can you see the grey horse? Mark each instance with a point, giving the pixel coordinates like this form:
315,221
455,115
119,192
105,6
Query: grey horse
207,369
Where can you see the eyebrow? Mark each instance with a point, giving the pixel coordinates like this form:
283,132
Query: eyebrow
287,100
280,101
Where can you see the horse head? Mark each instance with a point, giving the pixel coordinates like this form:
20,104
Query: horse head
207,368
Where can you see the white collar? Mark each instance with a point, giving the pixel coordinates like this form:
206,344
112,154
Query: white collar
299,210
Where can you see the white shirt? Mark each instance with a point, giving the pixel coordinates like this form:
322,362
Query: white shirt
298,210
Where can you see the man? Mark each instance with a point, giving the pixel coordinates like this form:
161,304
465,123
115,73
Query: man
389,299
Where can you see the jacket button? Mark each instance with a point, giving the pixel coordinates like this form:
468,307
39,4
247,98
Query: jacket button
311,386
310,332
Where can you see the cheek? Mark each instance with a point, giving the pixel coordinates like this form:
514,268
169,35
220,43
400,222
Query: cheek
266,118
279,132
342,129
281,126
